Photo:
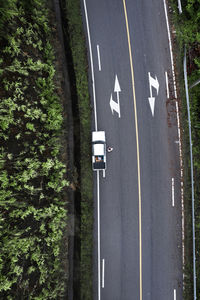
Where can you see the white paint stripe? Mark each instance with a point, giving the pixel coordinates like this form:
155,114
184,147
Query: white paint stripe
173,192
103,272
180,7
99,58
170,48
167,84
91,62
174,294
98,230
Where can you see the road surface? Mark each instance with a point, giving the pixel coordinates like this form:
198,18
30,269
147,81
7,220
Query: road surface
137,229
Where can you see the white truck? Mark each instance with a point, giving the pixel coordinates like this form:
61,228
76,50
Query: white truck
99,150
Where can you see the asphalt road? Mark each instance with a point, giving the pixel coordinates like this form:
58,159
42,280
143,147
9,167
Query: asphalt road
140,262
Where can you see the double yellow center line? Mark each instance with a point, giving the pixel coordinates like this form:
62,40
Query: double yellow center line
137,146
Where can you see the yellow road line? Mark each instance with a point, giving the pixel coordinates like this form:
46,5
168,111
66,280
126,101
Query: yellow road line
137,145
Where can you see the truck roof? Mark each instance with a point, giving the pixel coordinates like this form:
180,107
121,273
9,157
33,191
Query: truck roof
98,149
98,136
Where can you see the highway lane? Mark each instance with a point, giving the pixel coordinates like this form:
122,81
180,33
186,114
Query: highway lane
159,157
158,154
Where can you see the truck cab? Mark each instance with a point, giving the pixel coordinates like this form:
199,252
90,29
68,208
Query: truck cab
98,150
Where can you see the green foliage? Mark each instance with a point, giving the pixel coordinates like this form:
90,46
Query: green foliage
188,33
189,21
32,174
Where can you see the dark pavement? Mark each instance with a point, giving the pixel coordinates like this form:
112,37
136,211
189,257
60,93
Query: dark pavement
158,150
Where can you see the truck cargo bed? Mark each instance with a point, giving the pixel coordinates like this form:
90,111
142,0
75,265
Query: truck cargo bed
99,165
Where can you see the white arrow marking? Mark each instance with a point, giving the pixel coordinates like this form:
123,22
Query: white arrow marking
153,82
152,104
117,88
115,106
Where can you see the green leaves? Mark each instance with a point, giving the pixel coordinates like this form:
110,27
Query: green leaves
32,174
188,34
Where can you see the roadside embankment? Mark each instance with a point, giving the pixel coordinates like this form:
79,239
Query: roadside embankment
186,26
78,68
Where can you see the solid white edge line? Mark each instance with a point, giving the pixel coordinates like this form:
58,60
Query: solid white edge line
173,192
167,84
98,230
174,294
170,48
99,58
91,62
103,272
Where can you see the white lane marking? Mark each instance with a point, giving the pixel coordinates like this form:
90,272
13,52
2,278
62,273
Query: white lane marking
91,62
167,84
153,82
104,173
103,272
170,47
173,192
117,90
98,230
99,57
174,294
180,7
115,106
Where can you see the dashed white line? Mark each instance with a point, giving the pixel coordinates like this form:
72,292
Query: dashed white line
103,272
174,294
167,84
99,57
173,192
